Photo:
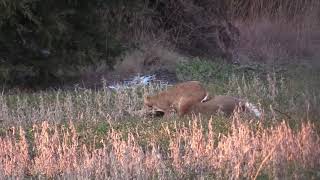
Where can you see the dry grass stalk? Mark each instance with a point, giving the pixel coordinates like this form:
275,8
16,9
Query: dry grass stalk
193,148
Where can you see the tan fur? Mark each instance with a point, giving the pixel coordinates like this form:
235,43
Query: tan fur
178,98
225,104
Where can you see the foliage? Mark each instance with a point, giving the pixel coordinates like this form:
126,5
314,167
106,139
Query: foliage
40,38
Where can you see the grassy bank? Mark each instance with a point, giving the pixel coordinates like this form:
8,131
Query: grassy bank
85,133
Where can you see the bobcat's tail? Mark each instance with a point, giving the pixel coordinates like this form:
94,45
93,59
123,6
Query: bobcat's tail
254,109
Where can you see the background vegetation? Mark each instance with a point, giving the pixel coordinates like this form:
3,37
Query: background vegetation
42,41
48,42
266,52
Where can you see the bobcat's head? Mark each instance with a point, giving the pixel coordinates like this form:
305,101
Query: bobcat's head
150,105
146,102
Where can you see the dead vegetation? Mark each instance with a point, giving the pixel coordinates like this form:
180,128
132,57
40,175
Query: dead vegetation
194,151
148,58
279,41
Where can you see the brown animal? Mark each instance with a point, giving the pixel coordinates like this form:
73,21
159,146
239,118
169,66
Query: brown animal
178,98
224,104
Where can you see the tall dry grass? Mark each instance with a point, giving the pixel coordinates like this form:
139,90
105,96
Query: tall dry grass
194,151
152,55
281,31
290,9
76,105
279,41
244,153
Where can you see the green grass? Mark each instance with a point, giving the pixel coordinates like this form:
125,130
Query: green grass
294,91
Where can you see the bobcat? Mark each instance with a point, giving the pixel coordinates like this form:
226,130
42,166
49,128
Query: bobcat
225,104
179,98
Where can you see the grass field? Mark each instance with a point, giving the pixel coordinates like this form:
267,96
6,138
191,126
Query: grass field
82,133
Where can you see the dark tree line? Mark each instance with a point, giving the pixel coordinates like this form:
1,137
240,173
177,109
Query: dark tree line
41,39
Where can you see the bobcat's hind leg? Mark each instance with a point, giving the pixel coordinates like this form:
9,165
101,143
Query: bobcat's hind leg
184,106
